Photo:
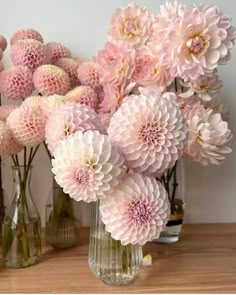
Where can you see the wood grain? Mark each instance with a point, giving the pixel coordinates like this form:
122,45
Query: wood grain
204,261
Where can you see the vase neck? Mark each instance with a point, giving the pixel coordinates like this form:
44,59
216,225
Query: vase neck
21,177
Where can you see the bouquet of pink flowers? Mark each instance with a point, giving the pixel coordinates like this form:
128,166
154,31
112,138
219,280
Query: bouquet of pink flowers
155,82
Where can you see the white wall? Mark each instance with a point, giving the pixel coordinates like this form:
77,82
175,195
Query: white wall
82,26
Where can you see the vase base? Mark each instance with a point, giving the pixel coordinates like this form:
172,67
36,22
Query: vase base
19,264
170,235
167,239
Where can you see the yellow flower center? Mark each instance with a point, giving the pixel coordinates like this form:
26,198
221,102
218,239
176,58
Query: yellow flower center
195,45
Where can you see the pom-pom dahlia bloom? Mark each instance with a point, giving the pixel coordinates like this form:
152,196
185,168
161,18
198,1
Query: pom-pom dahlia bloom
26,34
28,52
8,144
89,74
16,82
56,51
86,166
3,43
209,136
131,24
35,102
50,79
150,131
68,119
5,111
27,125
83,95
137,210
70,66
53,102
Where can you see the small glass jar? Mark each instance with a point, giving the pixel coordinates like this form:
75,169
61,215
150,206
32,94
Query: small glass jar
109,260
62,226
21,230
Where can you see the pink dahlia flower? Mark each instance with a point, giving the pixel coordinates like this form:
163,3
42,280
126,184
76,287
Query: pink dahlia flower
83,95
117,61
56,51
89,74
137,210
28,52
131,24
204,86
53,102
16,82
225,25
5,111
86,166
26,34
152,67
3,43
70,66
197,46
209,136
50,79
150,131
8,144
68,119
27,125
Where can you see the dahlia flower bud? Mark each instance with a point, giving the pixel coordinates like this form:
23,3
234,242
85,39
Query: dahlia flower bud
3,43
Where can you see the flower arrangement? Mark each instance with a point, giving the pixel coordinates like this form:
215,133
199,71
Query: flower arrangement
155,80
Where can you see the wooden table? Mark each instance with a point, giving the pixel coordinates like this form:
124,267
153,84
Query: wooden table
204,261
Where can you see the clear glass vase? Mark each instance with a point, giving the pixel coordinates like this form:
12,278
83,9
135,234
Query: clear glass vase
21,230
62,226
111,262
176,191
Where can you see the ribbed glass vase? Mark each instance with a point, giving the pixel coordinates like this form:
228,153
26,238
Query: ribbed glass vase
21,235
111,262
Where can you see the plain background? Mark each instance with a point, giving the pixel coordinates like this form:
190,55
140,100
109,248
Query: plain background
82,26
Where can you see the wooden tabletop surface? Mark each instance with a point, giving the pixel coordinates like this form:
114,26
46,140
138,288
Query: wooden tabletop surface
203,261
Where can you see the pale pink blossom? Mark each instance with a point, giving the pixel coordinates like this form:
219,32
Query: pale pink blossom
16,82
137,210
8,144
171,10
209,136
56,51
50,79
217,106
117,61
68,119
28,52
83,95
205,87
35,102
86,166
131,24
152,66
197,43
26,34
5,111
150,131
27,125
